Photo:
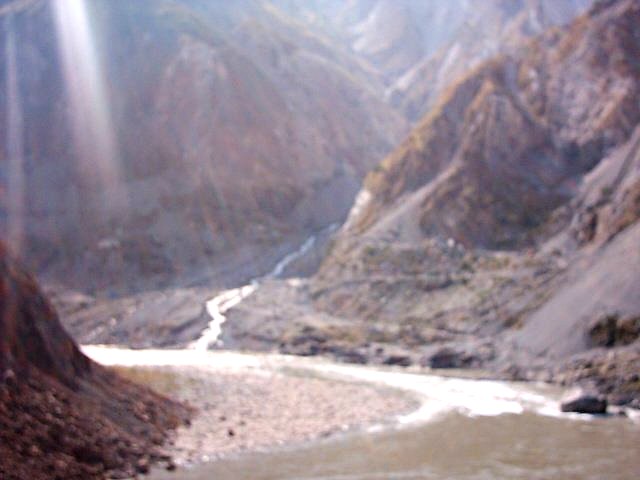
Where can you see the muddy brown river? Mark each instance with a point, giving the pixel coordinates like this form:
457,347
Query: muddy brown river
462,429
509,446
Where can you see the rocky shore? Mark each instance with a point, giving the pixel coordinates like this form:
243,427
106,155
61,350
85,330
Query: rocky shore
242,410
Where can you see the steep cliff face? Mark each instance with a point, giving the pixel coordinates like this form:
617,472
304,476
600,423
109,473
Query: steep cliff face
61,415
175,133
505,146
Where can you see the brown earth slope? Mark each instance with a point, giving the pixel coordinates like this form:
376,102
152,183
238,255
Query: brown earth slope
61,415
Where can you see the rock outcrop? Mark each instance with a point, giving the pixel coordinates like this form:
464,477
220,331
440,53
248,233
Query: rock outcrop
585,403
61,415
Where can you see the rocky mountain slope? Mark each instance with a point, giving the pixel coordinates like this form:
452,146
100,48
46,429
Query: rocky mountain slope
484,30
419,47
173,99
502,234
505,146
523,135
62,415
152,139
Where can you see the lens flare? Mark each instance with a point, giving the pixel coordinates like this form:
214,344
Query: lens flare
89,111
15,144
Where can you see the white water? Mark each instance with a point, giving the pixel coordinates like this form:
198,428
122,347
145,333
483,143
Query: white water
292,257
437,394
227,299
441,394
216,308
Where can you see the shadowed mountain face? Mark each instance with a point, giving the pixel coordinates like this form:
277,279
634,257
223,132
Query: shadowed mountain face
158,137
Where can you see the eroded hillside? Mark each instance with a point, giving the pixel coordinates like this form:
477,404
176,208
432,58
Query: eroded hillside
508,142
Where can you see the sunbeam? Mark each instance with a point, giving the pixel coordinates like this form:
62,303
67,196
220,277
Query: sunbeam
89,110
15,143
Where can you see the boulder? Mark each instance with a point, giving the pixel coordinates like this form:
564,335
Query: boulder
613,330
399,360
585,403
447,358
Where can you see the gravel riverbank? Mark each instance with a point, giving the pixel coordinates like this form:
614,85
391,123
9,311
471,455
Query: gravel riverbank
259,409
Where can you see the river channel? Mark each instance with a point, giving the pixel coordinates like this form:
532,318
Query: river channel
462,428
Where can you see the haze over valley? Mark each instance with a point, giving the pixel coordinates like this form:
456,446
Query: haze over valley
207,191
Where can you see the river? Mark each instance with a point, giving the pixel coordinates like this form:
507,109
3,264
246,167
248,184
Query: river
457,446
463,429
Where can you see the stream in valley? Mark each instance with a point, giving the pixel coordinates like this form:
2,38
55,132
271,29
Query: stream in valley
227,299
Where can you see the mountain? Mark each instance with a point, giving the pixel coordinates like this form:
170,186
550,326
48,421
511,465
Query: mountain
460,42
418,47
171,141
62,415
161,141
505,146
502,234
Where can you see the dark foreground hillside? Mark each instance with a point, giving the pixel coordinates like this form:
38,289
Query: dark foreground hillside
61,415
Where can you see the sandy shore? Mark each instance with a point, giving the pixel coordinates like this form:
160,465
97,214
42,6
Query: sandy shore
261,409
